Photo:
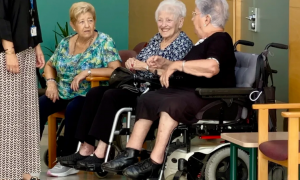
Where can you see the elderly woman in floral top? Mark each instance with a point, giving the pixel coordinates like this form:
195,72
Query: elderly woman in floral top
102,104
87,53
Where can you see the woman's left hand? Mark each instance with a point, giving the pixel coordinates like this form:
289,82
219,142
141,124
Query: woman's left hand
164,78
40,60
140,65
77,79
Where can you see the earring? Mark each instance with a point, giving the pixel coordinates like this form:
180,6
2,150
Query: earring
74,29
204,25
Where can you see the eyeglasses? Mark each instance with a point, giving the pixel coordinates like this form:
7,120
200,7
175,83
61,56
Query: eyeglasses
194,13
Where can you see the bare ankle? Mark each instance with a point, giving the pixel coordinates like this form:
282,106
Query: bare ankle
86,149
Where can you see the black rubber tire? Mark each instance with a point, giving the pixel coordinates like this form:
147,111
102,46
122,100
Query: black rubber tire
223,156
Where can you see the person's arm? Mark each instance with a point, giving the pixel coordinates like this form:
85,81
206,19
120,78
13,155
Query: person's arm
202,67
5,26
111,58
49,71
37,23
103,72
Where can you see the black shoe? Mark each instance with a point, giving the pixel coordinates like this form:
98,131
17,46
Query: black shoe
143,170
122,161
71,160
92,163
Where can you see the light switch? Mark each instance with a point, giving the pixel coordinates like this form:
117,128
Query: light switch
253,18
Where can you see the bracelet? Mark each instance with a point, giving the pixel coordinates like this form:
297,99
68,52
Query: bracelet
9,52
183,62
51,79
147,68
8,49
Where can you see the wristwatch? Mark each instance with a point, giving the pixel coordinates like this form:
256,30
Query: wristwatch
89,72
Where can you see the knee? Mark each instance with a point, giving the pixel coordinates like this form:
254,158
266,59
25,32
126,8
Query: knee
75,106
93,92
111,94
168,120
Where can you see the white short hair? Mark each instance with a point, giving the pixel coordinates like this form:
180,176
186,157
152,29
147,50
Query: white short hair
175,7
217,9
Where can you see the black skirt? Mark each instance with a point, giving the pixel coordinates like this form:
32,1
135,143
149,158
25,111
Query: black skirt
181,104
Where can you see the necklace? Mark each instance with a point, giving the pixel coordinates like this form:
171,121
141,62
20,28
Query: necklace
91,40
76,66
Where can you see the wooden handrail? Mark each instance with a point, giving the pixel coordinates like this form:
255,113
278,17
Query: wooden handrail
277,106
291,114
97,78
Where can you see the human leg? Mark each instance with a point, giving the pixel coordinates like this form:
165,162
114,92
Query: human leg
112,101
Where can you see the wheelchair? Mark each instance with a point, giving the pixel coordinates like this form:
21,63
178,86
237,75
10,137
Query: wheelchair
199,152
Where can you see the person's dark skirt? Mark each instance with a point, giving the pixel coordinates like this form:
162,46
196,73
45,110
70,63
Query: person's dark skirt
181,104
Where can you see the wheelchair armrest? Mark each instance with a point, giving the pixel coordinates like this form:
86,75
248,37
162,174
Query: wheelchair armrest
224,92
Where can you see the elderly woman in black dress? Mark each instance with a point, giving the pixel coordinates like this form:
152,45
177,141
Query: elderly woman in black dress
210,63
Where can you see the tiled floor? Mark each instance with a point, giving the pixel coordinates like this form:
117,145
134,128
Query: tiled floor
80,176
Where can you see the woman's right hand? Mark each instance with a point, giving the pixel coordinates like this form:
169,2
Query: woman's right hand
12,64
52,91
129,64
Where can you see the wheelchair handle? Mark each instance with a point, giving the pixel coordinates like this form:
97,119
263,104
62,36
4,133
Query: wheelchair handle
277,45
243,42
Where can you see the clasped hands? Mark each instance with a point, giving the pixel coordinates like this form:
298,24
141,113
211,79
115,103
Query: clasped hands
165,68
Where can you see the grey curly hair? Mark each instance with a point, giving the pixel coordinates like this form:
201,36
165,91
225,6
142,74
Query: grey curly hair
217,9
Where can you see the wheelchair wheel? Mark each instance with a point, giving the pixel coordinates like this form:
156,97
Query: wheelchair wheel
101,174
218,165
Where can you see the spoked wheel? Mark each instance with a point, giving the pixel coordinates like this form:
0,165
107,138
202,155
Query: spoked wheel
218,165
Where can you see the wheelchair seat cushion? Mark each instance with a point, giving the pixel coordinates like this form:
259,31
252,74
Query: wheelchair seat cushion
181,105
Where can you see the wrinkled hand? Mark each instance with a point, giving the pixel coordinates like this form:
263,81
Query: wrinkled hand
135,64
52,91
12,64
77,79
157,62
129,64
40,60
164,78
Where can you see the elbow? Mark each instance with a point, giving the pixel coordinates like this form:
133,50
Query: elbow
213,70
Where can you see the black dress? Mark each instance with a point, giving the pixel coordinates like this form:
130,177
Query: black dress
180,100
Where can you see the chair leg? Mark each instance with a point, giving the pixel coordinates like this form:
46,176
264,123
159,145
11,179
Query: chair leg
51,140
262,167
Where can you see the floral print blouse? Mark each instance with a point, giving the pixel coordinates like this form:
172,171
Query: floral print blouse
177,50
98,55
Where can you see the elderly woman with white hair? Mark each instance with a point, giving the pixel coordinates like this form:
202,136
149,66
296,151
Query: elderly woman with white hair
210,64
102,104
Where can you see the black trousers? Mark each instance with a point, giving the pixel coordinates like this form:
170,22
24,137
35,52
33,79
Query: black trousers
73,109
100,108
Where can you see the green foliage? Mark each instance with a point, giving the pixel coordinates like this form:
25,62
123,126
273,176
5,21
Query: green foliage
63,32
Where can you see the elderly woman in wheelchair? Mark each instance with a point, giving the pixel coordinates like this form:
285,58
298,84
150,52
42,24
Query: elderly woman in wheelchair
102,103
210,63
